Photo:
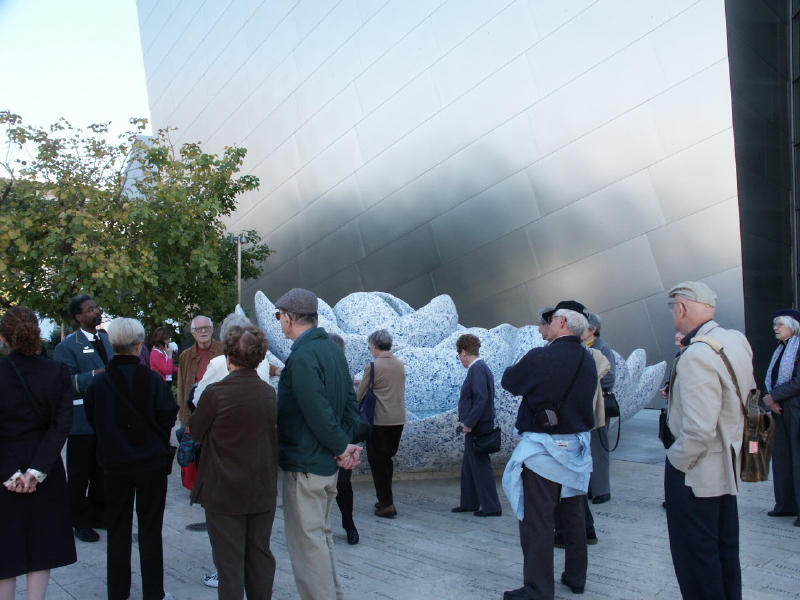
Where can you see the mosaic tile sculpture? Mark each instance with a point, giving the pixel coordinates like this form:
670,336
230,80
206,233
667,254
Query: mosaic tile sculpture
425,340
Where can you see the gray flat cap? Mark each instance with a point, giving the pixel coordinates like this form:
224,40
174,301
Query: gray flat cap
694,290
298,301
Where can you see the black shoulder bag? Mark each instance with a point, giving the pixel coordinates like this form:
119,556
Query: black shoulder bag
546,413
366,410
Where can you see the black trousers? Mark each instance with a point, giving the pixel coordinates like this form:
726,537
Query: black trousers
478,486
536,536
559,523
786,457
703,539
344,497
240,547
381,447
85,481
150,492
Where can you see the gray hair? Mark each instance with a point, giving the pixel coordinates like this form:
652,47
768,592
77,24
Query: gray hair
542,320
125,334
576,322
381,339
594,322
788,322
233,320
191,325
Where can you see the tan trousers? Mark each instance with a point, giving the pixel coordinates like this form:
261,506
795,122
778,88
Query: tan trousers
307,502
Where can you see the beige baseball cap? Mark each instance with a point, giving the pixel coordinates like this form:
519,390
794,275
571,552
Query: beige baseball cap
696,291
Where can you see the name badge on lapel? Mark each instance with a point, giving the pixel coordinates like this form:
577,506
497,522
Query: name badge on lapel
88,350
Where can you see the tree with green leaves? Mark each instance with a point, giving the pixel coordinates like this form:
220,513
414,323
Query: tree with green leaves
136,223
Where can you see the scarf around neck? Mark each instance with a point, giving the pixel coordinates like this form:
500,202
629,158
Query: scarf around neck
786,368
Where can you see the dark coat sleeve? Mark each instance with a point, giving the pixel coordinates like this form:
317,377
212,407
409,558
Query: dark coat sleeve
49,450
517,378
166,408
787,390
608,380
478,395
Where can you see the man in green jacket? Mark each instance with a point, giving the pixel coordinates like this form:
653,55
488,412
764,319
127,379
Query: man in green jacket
317,418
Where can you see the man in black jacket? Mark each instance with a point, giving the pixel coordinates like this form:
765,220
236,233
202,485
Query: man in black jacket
552,463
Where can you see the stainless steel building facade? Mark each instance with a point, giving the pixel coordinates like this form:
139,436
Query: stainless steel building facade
508,153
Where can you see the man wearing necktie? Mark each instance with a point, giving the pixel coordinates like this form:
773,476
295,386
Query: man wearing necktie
86,352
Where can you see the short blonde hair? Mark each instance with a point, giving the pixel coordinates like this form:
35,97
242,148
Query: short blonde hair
125,334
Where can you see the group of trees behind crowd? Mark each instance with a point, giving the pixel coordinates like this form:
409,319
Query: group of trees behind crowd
136,223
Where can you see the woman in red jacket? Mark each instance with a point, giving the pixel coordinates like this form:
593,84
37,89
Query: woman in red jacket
161,356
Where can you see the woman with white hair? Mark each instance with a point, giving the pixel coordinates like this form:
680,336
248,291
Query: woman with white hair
783,399
132,409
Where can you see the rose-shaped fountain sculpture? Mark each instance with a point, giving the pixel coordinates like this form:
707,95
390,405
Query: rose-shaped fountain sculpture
425,341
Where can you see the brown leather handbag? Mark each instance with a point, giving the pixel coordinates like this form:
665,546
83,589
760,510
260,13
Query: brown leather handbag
759,427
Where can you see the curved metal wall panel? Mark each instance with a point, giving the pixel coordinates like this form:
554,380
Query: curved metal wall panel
509,153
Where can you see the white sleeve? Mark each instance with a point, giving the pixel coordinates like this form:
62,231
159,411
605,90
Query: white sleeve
217,371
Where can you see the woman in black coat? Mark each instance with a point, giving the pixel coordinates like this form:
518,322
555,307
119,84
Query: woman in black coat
35,519
783,385
133,411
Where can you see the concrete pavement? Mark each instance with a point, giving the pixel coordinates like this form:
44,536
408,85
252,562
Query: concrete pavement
429,553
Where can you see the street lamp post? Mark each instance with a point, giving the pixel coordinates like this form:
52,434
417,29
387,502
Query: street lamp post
239,240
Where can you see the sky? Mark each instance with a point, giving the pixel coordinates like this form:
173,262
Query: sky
78,59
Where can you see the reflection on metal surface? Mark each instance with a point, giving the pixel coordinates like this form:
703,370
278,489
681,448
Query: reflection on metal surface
510,154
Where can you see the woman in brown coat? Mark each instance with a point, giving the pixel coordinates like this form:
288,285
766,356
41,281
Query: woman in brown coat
238,472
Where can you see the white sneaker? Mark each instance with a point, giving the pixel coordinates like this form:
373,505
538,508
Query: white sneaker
211,580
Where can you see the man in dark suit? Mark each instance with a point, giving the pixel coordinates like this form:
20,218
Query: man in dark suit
86,352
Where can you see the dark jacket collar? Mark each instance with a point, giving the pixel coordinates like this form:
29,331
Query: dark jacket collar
687,339
315,333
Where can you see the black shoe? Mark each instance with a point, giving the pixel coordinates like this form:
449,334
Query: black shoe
86,534
519,594
796,522
601,498
781,513
459,509
352,536
591,538
480,513
573,588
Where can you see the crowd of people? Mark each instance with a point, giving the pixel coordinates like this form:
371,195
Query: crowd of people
112,403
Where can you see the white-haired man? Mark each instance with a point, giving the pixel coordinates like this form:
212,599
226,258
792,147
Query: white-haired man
701,476
195,360
552,464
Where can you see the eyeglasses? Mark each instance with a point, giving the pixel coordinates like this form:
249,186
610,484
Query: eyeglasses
203,328
278,315
671,305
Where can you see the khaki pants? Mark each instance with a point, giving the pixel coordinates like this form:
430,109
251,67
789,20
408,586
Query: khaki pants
307,502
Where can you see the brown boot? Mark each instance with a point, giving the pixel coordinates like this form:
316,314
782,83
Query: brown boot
387,512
